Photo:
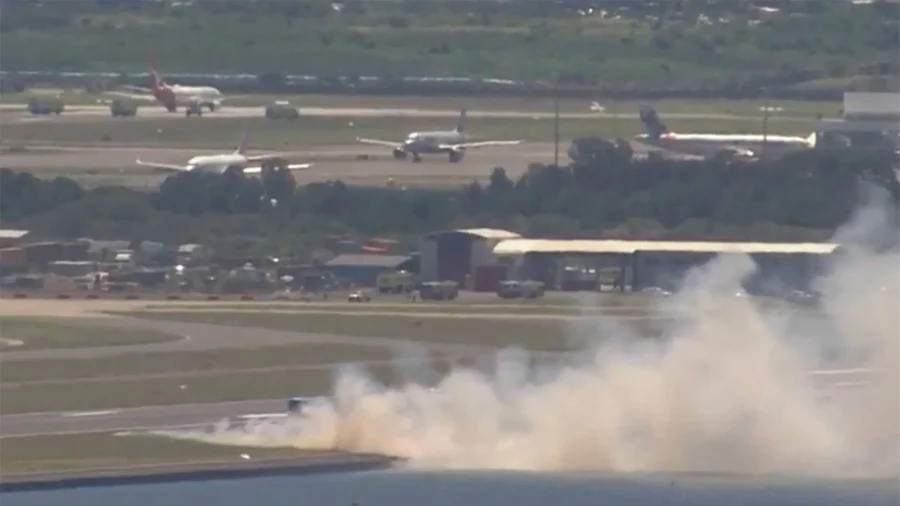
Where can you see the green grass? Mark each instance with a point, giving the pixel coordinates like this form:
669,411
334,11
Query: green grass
46,333
106,451
189,362
311,131
137,392
533,334
751,108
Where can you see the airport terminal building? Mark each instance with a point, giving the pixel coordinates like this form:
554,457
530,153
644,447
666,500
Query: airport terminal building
868,120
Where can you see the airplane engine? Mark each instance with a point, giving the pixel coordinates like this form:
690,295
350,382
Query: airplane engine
399,154
456,156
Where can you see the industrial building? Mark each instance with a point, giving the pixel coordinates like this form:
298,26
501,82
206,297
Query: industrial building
614,264
868,120
363,269
464,256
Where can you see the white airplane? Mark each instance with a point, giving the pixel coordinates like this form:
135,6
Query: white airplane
220,163
172,96
746,145
453,142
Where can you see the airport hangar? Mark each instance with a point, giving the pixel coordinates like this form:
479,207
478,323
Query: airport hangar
478,259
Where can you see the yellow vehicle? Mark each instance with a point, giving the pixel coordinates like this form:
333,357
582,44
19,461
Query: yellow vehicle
395,282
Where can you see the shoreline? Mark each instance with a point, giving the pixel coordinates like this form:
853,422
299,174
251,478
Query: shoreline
194,471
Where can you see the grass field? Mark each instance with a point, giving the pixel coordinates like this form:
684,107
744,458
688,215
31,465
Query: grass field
486,103
42,333
162,363
316,131
550,334
106,451
127,392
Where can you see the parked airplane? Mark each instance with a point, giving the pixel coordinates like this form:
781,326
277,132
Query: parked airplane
748,145
222,162
173,96
453,142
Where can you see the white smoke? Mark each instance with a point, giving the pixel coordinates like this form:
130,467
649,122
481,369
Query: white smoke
729,389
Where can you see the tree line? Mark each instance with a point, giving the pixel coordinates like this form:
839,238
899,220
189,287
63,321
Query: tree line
678,48
602,192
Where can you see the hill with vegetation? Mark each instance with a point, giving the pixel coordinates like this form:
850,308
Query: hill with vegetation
602,193
705,48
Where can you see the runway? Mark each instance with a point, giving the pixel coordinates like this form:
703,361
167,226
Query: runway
117,165
134,419
17,113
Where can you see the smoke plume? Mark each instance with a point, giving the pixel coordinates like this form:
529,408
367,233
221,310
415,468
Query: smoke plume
728,387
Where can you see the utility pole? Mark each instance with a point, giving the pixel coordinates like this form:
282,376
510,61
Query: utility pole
765,121
555,126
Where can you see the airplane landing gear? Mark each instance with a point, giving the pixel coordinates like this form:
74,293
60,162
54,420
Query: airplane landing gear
416,158
455,156
212,107
399,154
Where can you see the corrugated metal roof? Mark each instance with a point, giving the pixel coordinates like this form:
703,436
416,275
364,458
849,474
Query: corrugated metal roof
363,260
11,233
484,233
522,246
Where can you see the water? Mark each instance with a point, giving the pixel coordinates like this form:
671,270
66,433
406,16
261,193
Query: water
398,488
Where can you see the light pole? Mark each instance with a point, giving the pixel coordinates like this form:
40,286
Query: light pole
555,126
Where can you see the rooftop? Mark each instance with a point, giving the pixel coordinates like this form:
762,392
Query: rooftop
364,260
11,233
514,247
484,233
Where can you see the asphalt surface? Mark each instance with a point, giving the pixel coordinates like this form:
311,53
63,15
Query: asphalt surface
16,113
117,165
135,419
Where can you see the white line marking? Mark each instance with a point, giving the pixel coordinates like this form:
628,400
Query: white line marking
91,413
254,416
829,372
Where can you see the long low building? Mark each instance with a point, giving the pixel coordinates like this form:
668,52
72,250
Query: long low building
596,264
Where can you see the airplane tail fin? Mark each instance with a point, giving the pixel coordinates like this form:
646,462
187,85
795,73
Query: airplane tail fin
241,147
461,126
156,80
653,126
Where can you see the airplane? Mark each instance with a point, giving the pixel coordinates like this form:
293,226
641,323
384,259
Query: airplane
173,96
744,145
453,142
222,162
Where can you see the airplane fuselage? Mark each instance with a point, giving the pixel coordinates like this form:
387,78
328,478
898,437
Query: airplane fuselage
175,96
216,163
431,142
706,144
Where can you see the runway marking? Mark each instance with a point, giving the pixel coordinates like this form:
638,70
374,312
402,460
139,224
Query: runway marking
91,413
257,416
838,372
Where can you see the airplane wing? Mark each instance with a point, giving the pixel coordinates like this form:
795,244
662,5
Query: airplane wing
293,166
163,166
132,96
376,142
479,144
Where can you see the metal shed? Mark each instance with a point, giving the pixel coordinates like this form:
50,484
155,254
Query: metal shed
363,269
463,254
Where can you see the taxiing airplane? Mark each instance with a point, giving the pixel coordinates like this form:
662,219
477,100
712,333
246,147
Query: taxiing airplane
453,142
222,162
745,145
172,96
